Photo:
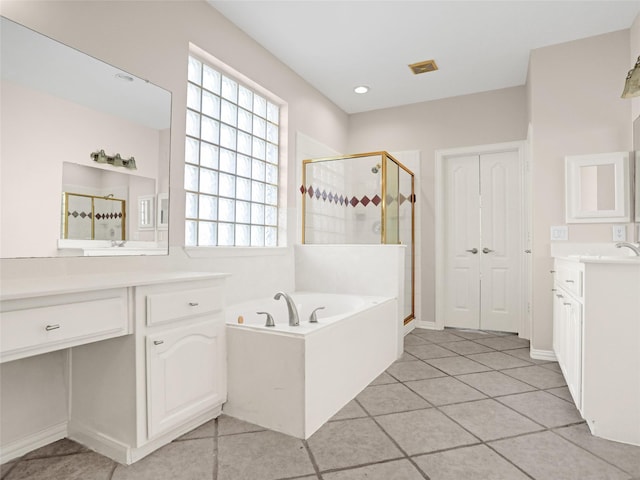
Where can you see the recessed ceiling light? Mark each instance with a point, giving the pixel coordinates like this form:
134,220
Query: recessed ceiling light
361,89
124,77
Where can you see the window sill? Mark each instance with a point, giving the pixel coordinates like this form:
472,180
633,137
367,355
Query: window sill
226,252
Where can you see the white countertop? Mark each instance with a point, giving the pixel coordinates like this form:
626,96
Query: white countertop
612,259
11,289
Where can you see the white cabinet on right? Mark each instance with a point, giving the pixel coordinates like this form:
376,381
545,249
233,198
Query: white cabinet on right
596,339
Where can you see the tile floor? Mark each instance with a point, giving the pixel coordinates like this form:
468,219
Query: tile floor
457,405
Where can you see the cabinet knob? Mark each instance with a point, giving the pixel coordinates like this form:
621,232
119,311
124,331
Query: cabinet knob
473,250
158,342
487,250
559,296
554,289
567,304
569,281
48,328
193,304
552,271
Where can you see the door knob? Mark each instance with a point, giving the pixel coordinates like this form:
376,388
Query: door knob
486,250
473,250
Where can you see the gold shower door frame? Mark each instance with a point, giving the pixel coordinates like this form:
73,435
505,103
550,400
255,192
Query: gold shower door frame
65,206
385,157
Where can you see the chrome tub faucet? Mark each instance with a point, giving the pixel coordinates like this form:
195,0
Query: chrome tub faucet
294,319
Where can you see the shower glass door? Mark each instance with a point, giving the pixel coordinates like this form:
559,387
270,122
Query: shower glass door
365,198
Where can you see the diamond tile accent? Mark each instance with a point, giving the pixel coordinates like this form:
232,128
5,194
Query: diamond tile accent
365,201
354,201
376,200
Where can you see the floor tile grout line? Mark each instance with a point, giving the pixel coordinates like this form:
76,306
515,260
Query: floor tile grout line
534,387
15,464
406,455
508,460
312,459
586,449
216,450
496,398
479,440
113,470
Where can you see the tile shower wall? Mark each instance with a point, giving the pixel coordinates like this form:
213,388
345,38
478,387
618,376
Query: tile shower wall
343,201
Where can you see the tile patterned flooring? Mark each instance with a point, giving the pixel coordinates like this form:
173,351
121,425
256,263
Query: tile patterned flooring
457,405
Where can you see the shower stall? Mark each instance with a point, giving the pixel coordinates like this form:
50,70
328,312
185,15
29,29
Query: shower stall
365,198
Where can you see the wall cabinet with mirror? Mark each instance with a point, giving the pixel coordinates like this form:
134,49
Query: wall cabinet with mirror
598,188
53,120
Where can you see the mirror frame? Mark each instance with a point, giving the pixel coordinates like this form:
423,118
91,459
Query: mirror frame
573,211
636,189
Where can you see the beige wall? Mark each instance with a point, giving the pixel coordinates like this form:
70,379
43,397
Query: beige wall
483,118
151,40
575,108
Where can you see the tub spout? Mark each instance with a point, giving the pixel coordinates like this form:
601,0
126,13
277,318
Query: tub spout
294,320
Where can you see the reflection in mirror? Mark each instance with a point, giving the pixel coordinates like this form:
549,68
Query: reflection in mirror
53,119
82,213
103,205
597,188
145,212
163,211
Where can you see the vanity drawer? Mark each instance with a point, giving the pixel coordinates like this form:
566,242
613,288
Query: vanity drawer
570,279
170,306
30,331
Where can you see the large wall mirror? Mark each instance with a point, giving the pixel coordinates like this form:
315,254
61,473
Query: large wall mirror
598,188
59,196
636,185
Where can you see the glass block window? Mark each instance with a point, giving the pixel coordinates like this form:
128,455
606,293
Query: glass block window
231,162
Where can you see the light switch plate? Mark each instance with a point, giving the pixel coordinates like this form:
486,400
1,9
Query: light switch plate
559,233
619,233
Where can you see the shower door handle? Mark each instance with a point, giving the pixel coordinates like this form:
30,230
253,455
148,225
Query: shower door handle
473,250
486,250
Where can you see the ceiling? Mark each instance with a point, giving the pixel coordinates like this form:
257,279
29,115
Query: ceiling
477,45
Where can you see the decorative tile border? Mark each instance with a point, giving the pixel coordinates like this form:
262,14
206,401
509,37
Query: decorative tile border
343,200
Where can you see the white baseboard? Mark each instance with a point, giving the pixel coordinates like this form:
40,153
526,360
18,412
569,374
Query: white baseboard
36,440
427,325
410,326
98,442
548,355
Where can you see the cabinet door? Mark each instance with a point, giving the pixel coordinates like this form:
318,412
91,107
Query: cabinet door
186,373
574,352
559,327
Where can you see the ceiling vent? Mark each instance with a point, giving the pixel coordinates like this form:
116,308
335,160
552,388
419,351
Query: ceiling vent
423,67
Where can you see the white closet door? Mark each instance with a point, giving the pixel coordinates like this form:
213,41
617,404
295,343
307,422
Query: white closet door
500,276
462,224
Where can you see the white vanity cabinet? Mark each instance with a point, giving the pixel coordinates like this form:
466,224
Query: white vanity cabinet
567,325
596,339
185,352
148,356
